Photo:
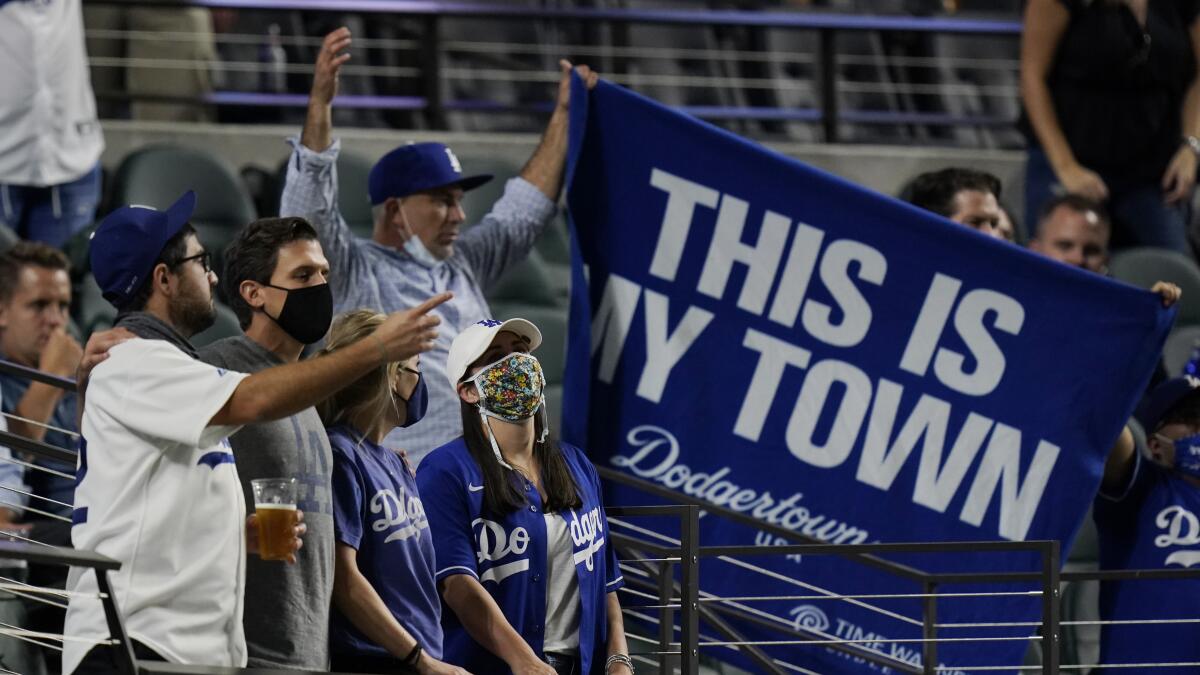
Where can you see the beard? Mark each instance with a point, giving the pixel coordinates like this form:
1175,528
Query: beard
193,311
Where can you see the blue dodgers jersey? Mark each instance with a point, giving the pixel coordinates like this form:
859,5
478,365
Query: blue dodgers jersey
1154,525
507,553
378,511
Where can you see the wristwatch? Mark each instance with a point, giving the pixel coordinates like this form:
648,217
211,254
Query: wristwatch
1193,143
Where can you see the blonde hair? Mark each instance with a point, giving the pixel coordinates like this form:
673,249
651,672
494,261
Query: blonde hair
371,393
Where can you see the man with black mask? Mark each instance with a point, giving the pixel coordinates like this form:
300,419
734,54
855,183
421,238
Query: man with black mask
276,279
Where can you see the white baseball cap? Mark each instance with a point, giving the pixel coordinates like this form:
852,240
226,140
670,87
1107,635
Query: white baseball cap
475,340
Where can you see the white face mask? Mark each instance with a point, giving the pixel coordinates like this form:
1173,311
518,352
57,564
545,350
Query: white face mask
416,248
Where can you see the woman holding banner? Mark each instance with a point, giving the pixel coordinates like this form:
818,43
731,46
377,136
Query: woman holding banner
524,562
387,613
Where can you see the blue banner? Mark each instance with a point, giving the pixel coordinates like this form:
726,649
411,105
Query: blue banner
765,336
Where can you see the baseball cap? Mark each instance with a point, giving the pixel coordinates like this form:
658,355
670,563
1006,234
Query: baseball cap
474,341
1163,398
416,167
128,242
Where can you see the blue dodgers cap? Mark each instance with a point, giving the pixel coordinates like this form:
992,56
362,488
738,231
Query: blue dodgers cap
416,167
128,242
1161,399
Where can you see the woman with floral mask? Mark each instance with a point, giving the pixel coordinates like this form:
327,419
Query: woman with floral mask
387,614
524,562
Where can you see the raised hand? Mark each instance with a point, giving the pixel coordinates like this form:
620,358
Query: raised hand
590,78
329,62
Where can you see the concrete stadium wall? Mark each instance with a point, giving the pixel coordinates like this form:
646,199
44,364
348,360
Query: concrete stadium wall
882,168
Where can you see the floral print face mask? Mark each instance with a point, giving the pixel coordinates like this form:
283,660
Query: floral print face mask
511,389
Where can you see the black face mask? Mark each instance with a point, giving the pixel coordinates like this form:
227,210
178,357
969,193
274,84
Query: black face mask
306,314
417,403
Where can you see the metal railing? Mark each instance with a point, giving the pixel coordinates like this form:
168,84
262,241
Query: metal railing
725,614
749,72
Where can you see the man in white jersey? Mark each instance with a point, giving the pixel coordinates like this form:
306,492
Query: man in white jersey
158,488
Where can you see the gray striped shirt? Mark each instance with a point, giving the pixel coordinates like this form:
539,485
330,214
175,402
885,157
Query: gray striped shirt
366,274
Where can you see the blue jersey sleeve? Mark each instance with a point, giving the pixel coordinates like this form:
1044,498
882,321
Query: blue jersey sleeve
347,484
447,506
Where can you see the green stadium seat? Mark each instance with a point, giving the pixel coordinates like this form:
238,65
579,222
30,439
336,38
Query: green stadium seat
554,244
1146,265
554,393
157,175
92,312
528,282
353,200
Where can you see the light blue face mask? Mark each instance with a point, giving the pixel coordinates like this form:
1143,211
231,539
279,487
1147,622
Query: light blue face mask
415,248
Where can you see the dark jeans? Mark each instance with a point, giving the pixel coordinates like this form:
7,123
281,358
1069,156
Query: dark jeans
1140,218
563,664
359,663
51,214
102,660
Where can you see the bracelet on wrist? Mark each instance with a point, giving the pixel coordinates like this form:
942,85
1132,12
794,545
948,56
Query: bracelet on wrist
414,657
1193,143
622,659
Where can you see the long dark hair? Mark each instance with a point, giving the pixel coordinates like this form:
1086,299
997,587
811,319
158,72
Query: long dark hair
503,489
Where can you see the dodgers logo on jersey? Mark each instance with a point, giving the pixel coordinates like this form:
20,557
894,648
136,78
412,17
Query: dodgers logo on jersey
496,544
215,459
1182,529
587,533
403,511
490,323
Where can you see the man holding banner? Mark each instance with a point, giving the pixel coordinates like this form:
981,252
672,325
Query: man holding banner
850,367
1146,515
418,248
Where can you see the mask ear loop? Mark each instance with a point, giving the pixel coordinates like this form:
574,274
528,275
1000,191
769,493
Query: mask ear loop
484,415
545,420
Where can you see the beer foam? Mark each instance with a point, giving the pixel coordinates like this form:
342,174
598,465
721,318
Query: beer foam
275,507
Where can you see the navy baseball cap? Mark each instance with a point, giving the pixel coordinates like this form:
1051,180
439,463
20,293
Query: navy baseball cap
1161,399
129,241
416,167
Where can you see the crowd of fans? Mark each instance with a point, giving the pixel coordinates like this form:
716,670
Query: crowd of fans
482,546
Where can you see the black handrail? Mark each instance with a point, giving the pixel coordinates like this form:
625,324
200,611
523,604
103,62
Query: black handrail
10,368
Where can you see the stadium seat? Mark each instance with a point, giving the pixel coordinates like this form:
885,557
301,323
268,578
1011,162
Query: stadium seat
555,244
157,175
353,200
1144,266
528,282
1178,348
8,238
226,325
554,394
92,311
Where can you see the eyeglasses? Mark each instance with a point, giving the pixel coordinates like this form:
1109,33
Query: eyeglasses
410,370
203,258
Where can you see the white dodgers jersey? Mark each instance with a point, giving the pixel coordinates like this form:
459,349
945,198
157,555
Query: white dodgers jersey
158,491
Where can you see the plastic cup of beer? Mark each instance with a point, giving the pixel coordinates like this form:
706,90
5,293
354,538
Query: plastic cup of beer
275,506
